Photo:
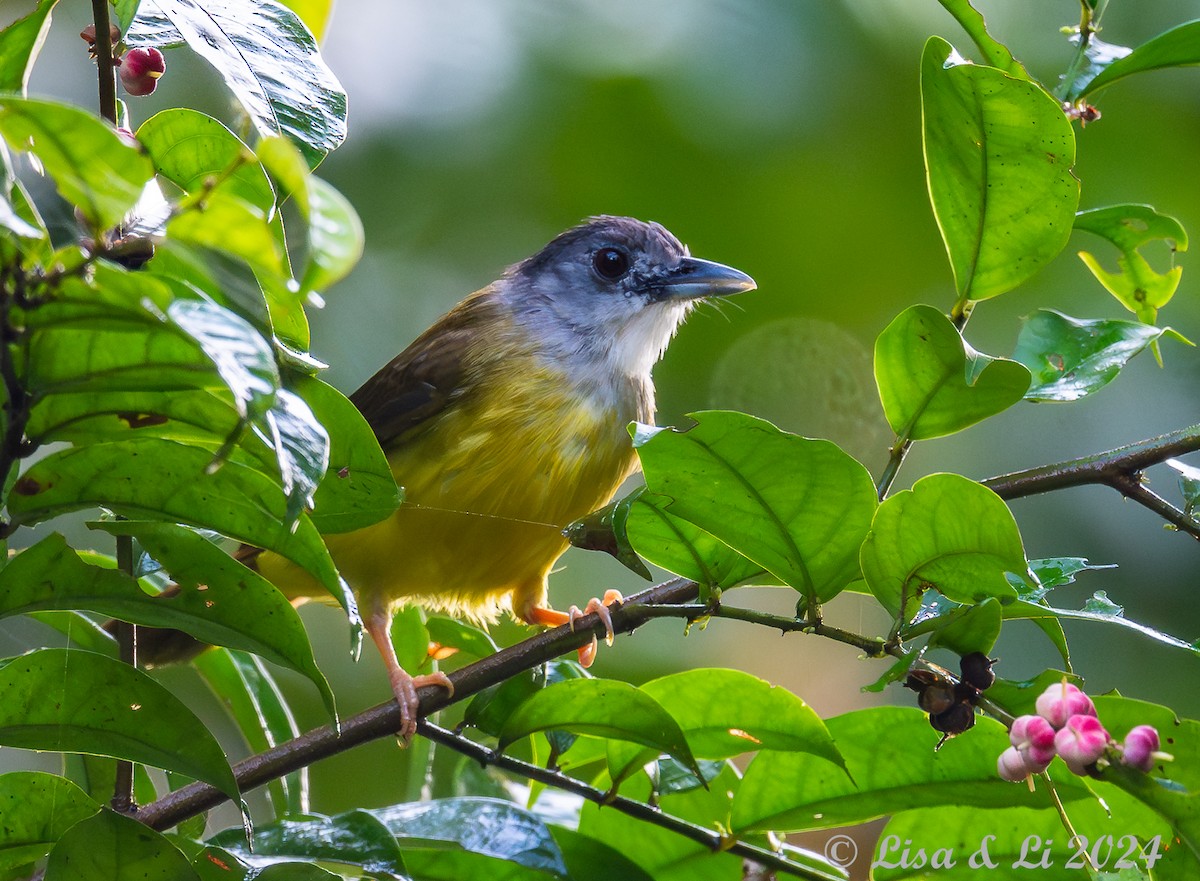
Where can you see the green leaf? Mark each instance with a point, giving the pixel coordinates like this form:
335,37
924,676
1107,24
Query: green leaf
1178,47
452,633
1138,286
1102,610
301,448
335,237
92,167
684,548
218,864
266,57
787,791
230,604
355,838
233,226
1052,572
1189,484
249,692
590,859
107,846
1070,358
932,383
947,532
998,155
795,506
967,629
191,149
605,530
724,713
17,213
601,708
20,43
481,825
358,488
148,477
666,855
80,702
220,601
81,630
37,809
489,710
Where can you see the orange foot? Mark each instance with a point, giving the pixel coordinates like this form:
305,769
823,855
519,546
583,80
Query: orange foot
554,618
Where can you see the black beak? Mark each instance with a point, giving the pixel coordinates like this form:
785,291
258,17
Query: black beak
693,279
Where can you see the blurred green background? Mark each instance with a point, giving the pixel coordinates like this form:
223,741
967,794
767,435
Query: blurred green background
782,137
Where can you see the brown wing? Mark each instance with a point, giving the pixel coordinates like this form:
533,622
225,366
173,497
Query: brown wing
430,374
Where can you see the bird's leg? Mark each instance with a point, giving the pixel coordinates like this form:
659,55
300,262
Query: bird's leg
554,618
404,686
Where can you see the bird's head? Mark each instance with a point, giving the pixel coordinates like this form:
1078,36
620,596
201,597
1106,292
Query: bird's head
612,291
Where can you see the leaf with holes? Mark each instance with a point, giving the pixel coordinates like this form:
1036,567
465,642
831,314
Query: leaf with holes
932,383
998,156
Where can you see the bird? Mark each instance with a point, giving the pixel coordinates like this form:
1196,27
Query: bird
507,420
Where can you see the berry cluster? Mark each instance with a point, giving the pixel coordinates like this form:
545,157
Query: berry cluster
951,705
1066,726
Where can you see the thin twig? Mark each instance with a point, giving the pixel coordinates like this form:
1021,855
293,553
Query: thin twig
123,801
714,841
1119,468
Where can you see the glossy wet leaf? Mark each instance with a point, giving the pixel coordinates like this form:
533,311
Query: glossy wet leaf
1100,609
191,149
932,383
75,701
20,43
37,809
301,447
1052,572
218,864
947,532
1177,47
91,166
266,57
1137,285
355,838
724,713
358,488
159,478
235,227
223,602
998,156
788,791
1070,358
486,826
108,846
795,506
1189,484
601,708
335,237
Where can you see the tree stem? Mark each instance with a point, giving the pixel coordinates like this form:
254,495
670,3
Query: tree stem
105,66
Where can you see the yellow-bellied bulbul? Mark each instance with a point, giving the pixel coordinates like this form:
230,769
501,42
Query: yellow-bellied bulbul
506,421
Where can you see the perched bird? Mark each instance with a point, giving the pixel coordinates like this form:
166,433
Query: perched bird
507,420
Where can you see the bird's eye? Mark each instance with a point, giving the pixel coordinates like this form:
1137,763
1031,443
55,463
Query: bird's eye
610,263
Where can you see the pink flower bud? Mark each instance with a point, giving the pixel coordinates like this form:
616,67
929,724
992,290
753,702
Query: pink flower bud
1013,766
140,70
1033,738
1141,748
1061,701
1081,742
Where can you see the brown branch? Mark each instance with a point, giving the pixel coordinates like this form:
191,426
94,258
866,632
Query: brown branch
384,720
105,66
714,841
1120,468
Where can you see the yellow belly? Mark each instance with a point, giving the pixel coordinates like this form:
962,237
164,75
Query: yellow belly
489,486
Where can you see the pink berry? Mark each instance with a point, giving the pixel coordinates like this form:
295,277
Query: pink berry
140,70
1033,737
1141,744
1081,742
1061,701
1012,767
